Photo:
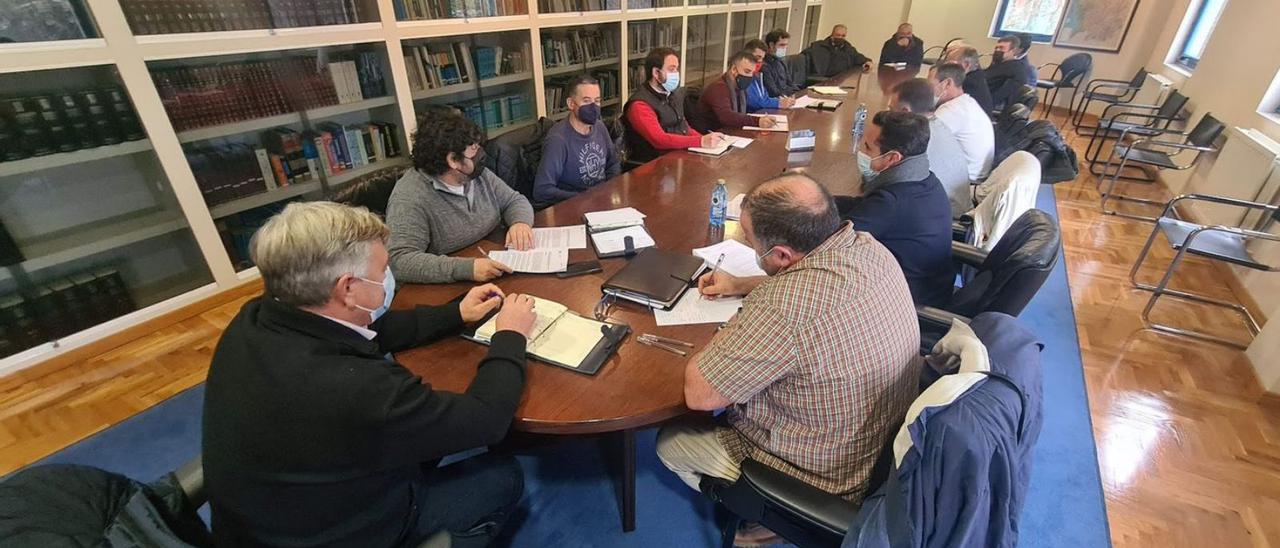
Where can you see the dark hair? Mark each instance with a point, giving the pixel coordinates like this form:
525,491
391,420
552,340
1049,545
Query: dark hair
656,59
905,132
743,55
950,71
1024,41
755,44
571,88
1011,39
916,93
775,35
439,133
779,217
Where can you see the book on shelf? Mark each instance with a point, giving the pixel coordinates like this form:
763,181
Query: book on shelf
185,16
459,9
65,121
227,171
578,46
61,306
647,35
46,20
438,64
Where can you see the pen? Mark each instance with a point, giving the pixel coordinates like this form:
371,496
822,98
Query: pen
659,345
716,268
666,340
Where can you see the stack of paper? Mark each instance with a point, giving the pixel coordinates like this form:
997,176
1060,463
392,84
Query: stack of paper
560,237
739,260
536,261
828,90
692,308
614,241
780,125
614,218
735,207
729,141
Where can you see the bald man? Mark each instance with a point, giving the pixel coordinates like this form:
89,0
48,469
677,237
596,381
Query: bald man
818,367
903,47
834,55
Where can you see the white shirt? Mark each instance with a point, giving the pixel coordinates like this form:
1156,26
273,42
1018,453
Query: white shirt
365,332
972,127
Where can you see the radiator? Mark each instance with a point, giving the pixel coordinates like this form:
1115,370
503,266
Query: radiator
1247,168
1154,89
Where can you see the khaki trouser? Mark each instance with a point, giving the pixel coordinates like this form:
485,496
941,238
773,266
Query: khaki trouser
691,449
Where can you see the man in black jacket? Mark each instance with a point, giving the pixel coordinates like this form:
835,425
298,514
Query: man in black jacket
1009,69
903,47
777,75
834,54
315,436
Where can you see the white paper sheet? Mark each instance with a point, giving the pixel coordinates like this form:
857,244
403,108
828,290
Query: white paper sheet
534,261
808,101
560,237
612,241
828,90
781,124
728,141
617,218
739,260
804,101
734,211
693,309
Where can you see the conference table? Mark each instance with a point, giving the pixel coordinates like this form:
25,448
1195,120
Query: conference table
640,386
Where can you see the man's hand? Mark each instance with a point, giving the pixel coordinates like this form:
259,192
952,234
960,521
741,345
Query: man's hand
786,101
719,284
517,315
484,269
520,237
711,140
479,302
767,121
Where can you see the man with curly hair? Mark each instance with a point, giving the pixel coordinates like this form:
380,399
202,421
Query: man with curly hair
450,201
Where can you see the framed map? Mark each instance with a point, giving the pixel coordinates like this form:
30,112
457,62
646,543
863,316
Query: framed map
1095,24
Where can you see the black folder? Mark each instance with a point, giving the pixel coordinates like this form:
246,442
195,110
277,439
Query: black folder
655,277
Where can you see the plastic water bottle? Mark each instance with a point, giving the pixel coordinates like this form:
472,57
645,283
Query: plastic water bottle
859,124
719,203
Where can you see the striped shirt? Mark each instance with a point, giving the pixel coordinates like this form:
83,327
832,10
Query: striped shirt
821,364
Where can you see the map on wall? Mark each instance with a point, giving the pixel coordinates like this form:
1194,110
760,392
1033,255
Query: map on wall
1096,24
1032,16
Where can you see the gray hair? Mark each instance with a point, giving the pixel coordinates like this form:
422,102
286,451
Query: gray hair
302,251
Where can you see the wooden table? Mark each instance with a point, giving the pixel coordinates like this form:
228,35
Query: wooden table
640,386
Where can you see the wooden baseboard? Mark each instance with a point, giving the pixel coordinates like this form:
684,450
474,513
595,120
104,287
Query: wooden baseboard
132,333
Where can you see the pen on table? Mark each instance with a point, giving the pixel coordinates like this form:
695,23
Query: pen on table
666,340
659,345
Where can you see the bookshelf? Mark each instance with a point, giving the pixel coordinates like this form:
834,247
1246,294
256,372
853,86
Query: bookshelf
177,186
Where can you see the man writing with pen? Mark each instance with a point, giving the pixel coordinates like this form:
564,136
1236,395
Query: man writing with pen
817,368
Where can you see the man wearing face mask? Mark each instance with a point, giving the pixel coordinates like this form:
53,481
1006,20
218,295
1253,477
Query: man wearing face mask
314,436
777,76
449,201
724,101
903,204
577,152
903,47
818,367
834,55
965,118
758,97
655,118
1009,70
946,159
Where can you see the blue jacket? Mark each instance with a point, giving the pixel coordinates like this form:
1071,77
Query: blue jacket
963,463
758,98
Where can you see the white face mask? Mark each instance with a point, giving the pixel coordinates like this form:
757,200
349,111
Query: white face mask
760,260
388,284
780,52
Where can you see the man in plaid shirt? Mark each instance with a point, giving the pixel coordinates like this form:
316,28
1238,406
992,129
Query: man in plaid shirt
818,368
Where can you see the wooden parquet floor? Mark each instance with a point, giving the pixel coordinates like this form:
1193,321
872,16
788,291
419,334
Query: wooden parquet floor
1188,445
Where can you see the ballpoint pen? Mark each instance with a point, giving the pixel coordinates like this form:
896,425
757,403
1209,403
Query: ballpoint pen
666,340
659,345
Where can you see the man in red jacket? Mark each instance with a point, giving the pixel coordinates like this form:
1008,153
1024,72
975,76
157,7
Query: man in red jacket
655,117
724,101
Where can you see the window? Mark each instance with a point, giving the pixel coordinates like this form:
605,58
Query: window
1039,18
1204,19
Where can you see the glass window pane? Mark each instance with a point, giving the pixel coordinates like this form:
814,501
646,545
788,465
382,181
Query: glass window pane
177,16
78,250
407,10
811,17
641,4
1202,29
569,52
706,48
563,6
499,97
644,36
1035,17
774,19
45,20
262,129
743,26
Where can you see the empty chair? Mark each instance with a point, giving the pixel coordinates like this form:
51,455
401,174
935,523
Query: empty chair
1229,244
1008,193
1122,120
1106,91
371,193
798,65
1066,75
942,52
1156,154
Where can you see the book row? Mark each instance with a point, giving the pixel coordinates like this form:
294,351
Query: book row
181,16
458,9
578,46
497,112
65,121
558,89
440,64
561,6
647,35
61,307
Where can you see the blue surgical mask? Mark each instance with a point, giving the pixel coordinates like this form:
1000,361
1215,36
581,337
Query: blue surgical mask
864,166
672,82
780,52
388,284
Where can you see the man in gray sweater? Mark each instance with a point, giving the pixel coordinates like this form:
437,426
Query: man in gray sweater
450,201
946,159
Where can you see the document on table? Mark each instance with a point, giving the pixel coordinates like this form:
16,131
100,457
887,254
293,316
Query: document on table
692,308
734,211
728,141
560,237
828,90
781,124
612,241
809,101
614,218
739,260
534,261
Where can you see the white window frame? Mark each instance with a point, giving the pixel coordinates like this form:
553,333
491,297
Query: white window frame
1173,59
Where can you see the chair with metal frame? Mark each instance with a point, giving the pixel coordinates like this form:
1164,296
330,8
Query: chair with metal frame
1138,120
1066,75
1229,244
1124,92
1148,152
942,52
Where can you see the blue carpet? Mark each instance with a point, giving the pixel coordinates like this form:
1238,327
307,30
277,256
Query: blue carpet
570,500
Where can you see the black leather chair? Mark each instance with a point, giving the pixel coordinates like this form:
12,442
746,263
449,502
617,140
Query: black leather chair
942,52
1066,75
1137,120
1154,153
371,192
1025,96
1106,91
798,66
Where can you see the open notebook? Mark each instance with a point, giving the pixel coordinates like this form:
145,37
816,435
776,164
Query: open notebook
561,337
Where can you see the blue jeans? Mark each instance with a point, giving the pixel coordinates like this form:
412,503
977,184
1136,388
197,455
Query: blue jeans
471,499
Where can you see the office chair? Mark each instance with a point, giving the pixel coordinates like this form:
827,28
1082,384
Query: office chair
1066,75
942,52
807,516
1025,96
1106,91
372,192
1229,244
1138,120
1158,154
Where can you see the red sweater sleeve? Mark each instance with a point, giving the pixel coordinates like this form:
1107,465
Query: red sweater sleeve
645,121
